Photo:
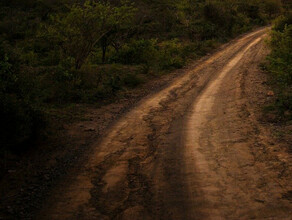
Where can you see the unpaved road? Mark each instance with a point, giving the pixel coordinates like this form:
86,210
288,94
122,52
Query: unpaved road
190,151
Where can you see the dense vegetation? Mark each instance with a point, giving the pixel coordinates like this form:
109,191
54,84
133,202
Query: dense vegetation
280,65
57,52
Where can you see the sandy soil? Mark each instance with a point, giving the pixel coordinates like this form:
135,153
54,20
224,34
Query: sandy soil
194,150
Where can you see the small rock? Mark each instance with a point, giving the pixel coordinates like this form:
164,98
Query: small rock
89,129
11,171
270,93
259,200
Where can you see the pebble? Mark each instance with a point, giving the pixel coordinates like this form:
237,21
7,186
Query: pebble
270,93
89,129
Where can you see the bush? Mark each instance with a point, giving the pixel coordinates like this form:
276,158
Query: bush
202,30
148,53
282,21
132,80
20,123
97,83
280,65
171,54
137,52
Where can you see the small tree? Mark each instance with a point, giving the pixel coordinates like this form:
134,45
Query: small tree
272,7
116,36
81,29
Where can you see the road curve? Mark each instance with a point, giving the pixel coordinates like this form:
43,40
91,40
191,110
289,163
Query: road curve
183,153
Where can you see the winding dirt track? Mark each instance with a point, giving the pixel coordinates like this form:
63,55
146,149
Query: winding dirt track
186,152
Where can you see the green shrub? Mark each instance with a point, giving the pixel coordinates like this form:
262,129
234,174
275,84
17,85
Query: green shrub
280,65
100,82
137,52
282,21
20,120
132,80
171,54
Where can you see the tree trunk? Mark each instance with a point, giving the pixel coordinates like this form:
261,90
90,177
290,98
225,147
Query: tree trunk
78,63
104,48
103,53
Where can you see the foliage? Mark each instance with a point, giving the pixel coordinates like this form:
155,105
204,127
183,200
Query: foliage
81,29
137,52
19,120
171,54
280,64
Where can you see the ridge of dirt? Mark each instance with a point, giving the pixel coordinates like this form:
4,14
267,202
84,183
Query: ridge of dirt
234,154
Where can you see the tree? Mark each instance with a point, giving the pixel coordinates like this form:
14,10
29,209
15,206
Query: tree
81,29
272,7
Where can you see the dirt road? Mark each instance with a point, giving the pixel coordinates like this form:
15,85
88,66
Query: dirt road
192,151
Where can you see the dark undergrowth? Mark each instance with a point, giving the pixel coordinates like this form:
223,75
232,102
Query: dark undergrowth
279,67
